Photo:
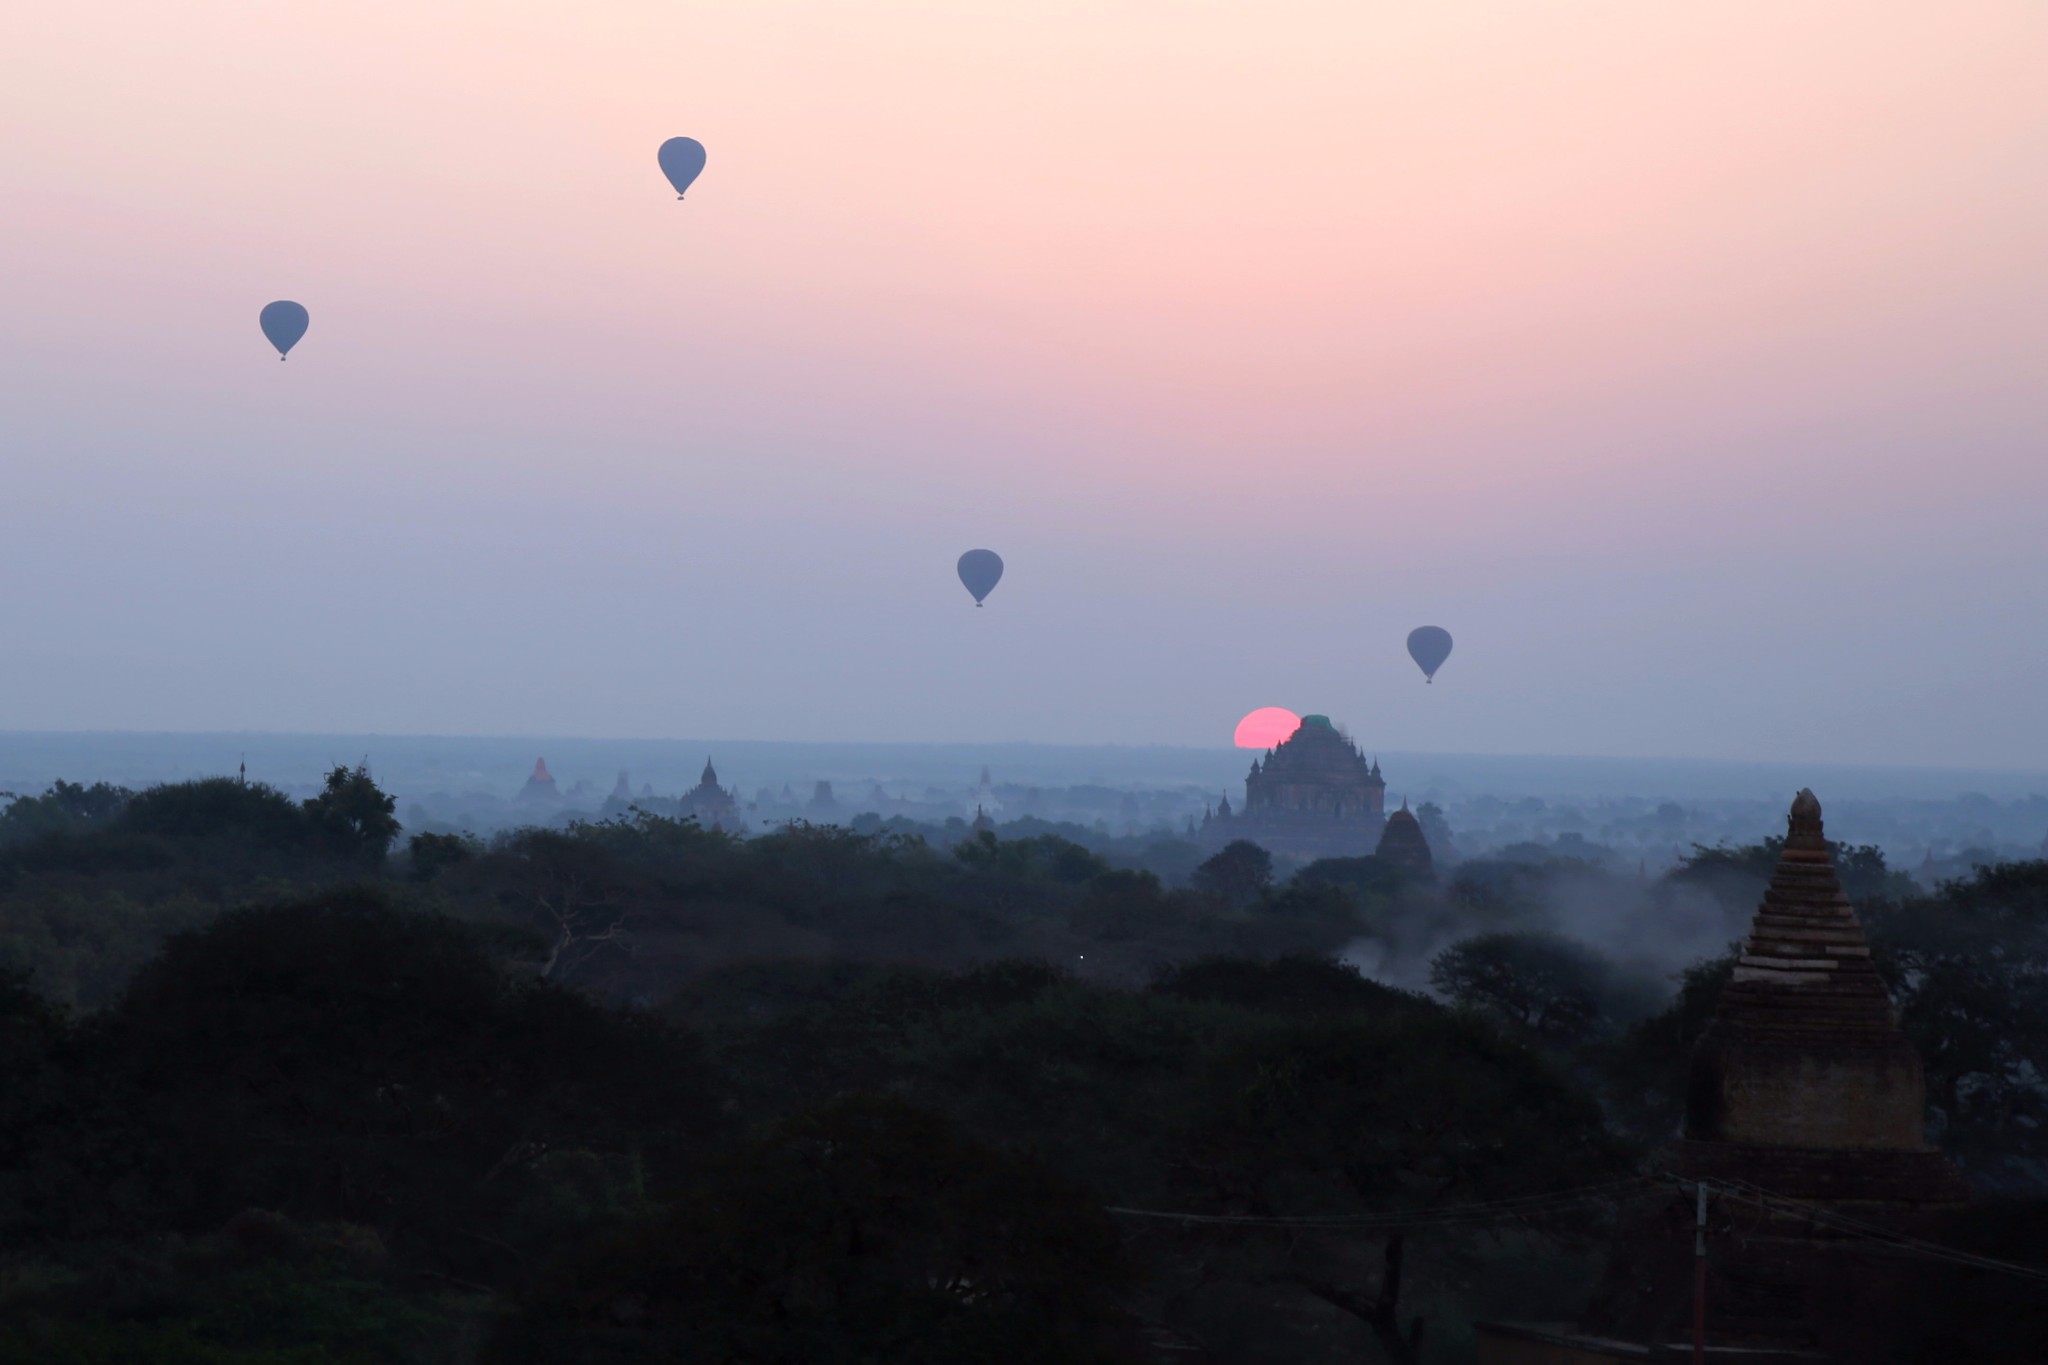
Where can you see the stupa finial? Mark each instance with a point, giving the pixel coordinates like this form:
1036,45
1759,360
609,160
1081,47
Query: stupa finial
1803,825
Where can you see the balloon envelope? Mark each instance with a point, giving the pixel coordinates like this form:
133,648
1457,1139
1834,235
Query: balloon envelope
980,571
1429,646
1266,728
284,322
682,161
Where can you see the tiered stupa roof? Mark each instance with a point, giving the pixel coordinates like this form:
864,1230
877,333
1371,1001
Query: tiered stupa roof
1316,753
1806,937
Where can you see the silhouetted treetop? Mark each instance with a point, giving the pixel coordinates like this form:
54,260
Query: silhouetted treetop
352,815
217,807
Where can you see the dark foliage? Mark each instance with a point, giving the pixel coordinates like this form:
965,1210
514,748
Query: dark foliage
1558,989
1969,971
1408,1111
429,855
1296,986
1366,876
341,1059
1239,874
66,808
352,816
264,1098
866,1230
1047,855
1646,1068
218,808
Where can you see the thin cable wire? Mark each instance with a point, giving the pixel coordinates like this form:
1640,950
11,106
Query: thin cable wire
1523,1205
1742,1189
1561,1200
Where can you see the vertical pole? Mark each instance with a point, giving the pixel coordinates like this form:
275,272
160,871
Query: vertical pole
1699,1280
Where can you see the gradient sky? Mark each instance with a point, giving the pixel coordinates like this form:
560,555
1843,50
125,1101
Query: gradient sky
1684,360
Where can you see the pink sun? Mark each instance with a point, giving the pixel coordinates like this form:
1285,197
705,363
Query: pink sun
1267,728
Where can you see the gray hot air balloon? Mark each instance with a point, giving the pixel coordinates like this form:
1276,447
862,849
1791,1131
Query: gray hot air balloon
682,161
284,322
1429,646
981,570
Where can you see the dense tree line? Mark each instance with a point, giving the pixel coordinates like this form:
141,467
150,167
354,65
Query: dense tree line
275,1086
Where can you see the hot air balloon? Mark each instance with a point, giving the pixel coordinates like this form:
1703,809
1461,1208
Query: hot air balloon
981,570
284,322
682,161
1429,646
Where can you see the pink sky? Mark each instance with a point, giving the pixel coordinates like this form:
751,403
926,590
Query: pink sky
1671,356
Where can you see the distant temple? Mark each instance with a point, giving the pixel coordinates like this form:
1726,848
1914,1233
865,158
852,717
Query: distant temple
985,794
1805,1097
711,805
540,786
823,807
622,790
1315,796
982,821
1403,846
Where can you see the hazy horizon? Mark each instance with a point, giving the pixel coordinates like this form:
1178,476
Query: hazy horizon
414,763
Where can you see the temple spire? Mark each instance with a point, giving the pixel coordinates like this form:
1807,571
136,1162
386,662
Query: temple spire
1804,1049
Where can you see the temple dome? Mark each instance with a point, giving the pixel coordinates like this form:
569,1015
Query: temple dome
1314,795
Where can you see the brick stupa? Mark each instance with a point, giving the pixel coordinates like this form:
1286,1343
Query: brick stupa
1804,1083
1403,845
1802,1087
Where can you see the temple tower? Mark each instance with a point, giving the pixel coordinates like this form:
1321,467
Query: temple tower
1805,1097
1804,1081
711,805
541,785
1403,845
